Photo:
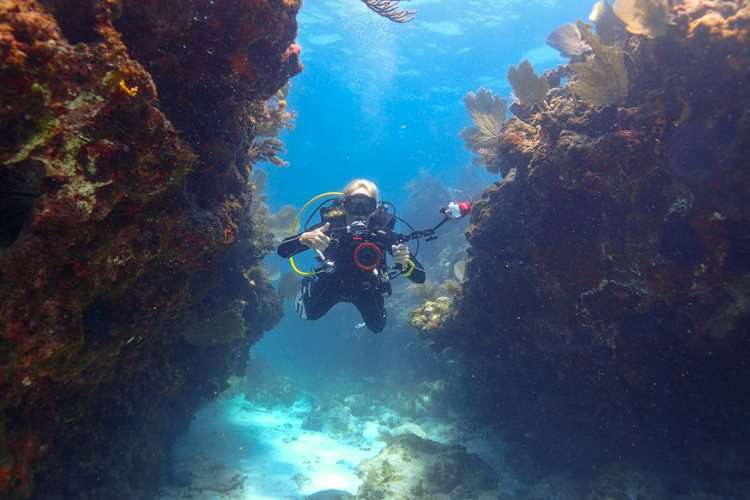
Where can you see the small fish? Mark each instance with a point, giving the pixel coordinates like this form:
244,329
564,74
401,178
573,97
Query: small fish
459,270
359,325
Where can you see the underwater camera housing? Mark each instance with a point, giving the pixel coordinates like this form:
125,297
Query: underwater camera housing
366,254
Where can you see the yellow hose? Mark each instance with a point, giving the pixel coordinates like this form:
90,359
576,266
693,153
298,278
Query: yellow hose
296,223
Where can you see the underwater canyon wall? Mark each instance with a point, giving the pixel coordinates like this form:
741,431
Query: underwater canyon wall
130,277
606,310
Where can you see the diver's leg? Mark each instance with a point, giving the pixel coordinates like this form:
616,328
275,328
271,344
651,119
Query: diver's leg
371,306
315,298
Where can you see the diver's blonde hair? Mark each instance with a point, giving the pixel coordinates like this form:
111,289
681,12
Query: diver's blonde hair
368,186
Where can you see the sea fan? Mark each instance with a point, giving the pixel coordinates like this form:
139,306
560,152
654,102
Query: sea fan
487,111
644,17
603,77
609,28
567,41
528,88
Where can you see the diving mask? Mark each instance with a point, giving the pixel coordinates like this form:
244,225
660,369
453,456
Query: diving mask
360,204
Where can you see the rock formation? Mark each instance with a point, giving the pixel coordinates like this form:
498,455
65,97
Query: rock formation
606,311
127,220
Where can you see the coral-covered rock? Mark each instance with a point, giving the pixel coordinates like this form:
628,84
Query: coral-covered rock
431,315
413,467
607,304
128,220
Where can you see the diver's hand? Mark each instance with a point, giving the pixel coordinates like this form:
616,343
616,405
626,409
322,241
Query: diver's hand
316,239
400,254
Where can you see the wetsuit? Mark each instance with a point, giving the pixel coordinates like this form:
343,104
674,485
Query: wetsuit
344,281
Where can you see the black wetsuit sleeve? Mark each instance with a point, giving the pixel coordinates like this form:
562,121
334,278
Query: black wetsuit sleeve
417,275
291,246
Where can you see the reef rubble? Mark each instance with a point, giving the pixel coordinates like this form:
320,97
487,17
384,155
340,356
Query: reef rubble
606,307
128,228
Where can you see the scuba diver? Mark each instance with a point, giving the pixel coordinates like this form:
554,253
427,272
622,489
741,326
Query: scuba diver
352,239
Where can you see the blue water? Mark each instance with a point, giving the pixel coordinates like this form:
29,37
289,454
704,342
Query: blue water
382,101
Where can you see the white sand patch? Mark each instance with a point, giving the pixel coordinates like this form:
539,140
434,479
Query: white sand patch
270,450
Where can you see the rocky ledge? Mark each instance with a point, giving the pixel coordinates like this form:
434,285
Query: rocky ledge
130,278
606,310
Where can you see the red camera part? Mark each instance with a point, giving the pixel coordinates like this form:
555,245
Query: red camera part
367,256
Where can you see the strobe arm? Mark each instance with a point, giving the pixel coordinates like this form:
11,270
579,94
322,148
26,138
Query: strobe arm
454,211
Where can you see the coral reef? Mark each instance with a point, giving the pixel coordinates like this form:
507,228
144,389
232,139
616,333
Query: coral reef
418,468
431,315
127,128
606,307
